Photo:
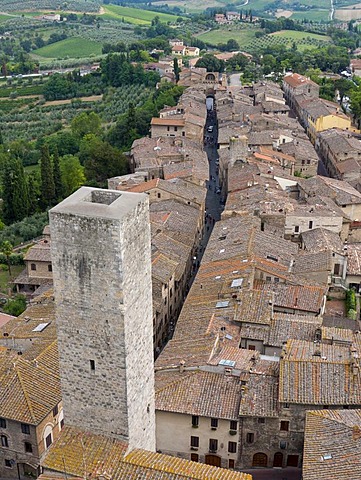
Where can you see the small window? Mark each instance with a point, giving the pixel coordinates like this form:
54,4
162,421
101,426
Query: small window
92,365
48,440
250,437
158,195
55,411
28,447
213,444
232,447
297,229
168,128
194,441
233,425
2,423
33,266
251,347
61,423
4,441
286,405
284,427
176,129
231,463
214,422
195,420
261,420
8,463
194,457
310,224
25,428
50,268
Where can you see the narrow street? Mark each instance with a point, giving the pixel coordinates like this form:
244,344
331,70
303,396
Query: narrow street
214,206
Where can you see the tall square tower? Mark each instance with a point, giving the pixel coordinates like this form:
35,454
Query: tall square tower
101,258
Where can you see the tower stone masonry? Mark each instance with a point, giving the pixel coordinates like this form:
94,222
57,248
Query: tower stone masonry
101,257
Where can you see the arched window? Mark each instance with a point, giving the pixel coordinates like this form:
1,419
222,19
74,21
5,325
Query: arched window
48,436
61,420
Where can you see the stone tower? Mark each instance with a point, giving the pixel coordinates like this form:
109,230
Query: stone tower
102,279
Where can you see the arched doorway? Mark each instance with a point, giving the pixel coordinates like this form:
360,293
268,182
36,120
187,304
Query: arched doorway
213,460
259,460
278,459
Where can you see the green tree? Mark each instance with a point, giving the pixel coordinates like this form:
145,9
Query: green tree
86,123
176,69
34,193
6,248
47,178
58,184
211,63
232,45
15,192
72,174
15,306
101,160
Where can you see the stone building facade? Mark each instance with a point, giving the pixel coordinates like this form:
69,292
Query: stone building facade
102,280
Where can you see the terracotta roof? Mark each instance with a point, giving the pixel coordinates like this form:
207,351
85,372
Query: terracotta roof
254,306
320,239
5,318
295,80
29,384
325,379
168,121
300,327
354,259
332,445
39,252
296,297
201,393
260,396
76,450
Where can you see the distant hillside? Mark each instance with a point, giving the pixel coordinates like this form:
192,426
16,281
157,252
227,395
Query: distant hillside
39,5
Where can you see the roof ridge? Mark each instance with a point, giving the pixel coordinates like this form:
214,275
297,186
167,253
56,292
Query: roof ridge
25,392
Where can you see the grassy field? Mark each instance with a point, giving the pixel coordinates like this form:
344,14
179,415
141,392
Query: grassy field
294,35
135,15
314,15
246,38
242,35
287,38
74,47
4,277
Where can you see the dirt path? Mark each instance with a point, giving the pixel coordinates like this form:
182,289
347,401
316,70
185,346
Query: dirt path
93,98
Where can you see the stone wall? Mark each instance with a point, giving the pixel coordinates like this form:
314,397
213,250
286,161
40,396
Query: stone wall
102,280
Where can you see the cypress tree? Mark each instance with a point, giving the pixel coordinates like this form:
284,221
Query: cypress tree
33,194
58,184
47,179
15,191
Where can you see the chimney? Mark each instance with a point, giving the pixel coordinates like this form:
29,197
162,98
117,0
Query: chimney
181,366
